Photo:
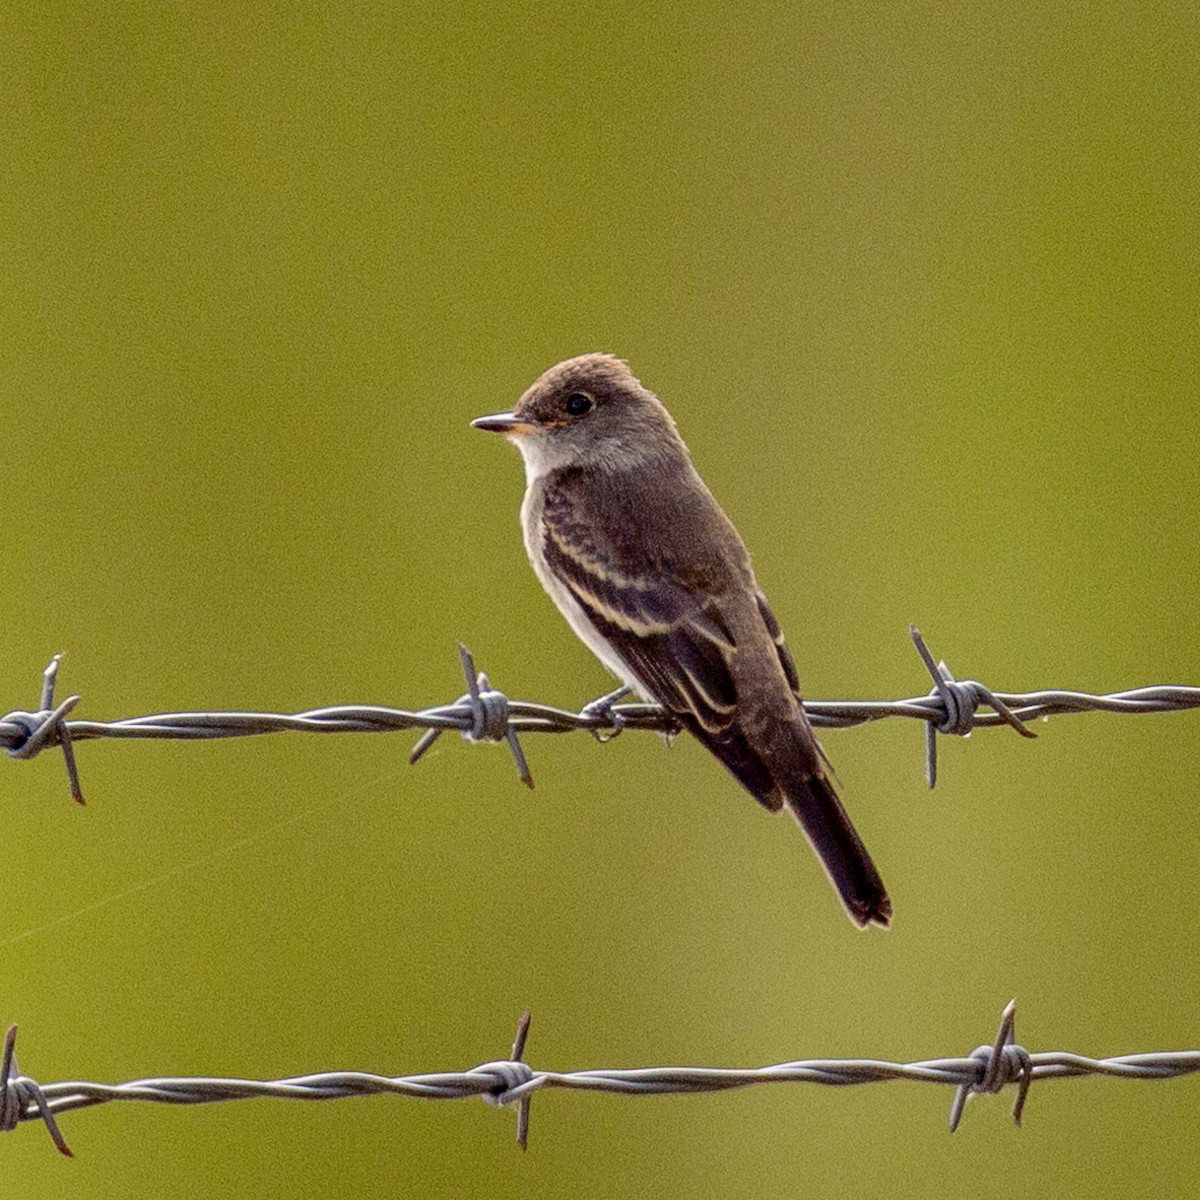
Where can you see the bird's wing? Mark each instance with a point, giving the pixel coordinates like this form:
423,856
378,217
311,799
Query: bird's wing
672,637
785,655
789,669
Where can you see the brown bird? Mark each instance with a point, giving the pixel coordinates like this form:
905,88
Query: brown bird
652,575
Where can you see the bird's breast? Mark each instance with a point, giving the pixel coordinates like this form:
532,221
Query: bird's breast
533,532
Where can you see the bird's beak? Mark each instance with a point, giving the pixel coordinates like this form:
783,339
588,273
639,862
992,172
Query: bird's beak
507,422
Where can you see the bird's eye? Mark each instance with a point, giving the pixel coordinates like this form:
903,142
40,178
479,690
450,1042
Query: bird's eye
578,404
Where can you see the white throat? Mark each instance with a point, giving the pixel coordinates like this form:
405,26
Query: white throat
541,455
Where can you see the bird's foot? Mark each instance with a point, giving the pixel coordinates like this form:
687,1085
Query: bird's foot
603,709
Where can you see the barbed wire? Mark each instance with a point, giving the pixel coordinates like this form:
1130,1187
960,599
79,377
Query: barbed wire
484,714
512,1081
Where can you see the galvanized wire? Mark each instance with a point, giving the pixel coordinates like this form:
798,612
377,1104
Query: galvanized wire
483,714
512,1081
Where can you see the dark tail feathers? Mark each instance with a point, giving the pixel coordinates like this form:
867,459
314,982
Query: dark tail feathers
796,783
816,807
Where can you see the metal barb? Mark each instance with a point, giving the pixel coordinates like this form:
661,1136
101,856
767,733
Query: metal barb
518,1050
18,1092
960,699
489,718
49,679
46,727
523,1105
423,744
489,715
516,1081
1002,1062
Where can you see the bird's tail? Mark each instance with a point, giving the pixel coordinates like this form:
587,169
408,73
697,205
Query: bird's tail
810,798
790,774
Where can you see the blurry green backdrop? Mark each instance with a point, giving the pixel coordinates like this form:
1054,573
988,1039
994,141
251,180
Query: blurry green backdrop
919,284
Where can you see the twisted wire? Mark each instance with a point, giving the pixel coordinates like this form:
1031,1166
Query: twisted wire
483,714
986,1070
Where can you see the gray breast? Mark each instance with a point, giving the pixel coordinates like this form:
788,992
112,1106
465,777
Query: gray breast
533,531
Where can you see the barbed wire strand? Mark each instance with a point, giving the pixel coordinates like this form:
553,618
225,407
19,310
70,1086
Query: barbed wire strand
484,714
512,1081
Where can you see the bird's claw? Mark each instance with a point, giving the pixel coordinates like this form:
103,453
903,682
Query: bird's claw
602,709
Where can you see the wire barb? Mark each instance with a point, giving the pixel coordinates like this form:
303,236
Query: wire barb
489,713
960,699
47,727
21,1097
1000,1063
516,1081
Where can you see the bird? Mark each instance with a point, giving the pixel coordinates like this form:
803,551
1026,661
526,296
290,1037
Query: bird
652,576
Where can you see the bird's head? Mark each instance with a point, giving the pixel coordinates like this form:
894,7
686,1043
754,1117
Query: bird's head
587,411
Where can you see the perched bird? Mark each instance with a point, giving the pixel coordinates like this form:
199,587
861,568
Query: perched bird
654,578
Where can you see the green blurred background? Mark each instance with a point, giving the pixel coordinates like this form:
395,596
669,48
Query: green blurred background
919,284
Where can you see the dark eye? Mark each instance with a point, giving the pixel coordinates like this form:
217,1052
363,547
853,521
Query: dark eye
578,404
